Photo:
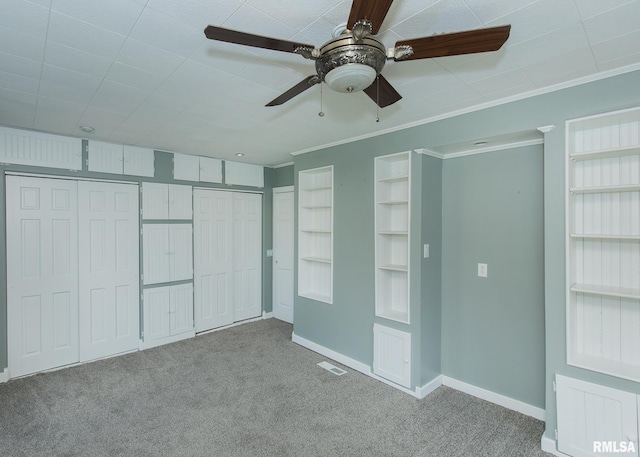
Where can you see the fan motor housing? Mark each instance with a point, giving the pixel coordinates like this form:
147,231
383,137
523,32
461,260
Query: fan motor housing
346,50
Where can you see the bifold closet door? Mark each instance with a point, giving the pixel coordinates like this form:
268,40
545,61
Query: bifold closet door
227,257
109,269
42,273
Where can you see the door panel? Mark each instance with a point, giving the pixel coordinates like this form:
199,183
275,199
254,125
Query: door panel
180,252
42,296
247,260
156,253
109,273
181,309
157,310
283,256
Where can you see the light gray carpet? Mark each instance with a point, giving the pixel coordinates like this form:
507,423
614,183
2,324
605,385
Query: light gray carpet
245,391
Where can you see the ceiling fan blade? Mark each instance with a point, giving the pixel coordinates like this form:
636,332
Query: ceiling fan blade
371,10
299,88
248,39
452,44
382,92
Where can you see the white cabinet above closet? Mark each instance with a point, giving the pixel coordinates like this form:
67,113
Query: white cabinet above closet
24,147
197,168
166,201
167,252
243,174
119,159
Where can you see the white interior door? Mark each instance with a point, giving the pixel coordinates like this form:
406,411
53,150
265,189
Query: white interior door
213,261
283,220
109,269
42,277
247,255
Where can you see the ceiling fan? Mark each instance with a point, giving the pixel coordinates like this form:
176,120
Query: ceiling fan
353,60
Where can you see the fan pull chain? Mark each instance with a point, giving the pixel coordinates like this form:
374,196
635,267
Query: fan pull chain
321,113
378,98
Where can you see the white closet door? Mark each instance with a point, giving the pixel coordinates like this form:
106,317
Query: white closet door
180,252
213,261
42,277
156,255
109,278
181,311
283,222
157,311
247,258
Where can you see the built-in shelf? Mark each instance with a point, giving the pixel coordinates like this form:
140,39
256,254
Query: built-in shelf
605,153
604,237
392,198
608,291
603,321
315,234
605,189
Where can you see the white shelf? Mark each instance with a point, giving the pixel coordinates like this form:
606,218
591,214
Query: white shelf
394,233
608,291
606,153
394,202
605,189
394,267
392,179
605,237
315,234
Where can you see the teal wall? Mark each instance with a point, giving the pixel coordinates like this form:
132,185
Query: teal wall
283,176
163,173
493,328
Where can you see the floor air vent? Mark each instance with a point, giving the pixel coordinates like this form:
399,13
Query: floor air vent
333,369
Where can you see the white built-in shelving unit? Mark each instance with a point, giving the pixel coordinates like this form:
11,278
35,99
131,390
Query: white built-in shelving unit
315,234
603,243
392,215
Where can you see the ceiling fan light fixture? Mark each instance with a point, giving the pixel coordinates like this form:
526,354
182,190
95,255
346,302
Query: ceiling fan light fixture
352,77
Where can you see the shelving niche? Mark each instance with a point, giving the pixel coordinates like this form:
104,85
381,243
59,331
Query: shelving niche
315,234
603,243
392,208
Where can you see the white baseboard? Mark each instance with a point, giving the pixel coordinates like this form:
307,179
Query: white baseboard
4,375
549,445
267,315
422,392
340,358
498,399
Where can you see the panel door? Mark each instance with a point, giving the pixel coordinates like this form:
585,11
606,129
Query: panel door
105,157
180,202
42,277
244,174
138,161
594,418
392,354
181,308
157,313
213,259
186,167
109,270
210,170
247,255
155,253
155,200
180,252
283,219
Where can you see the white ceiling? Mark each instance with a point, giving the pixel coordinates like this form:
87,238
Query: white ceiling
141,71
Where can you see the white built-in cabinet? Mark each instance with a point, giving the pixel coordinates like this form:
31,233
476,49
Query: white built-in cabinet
168,314
227,257
595,420
315,234
166,201
197,168
119,159
243,174
167,253
40,149
392,222
73,279
603,243
392,354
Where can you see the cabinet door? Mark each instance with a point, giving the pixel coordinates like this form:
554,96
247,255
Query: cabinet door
157,313
244,174
186,167
180,202
181,308
392,354
155,201
40,149
210,170
156,253
138,161
180,252
591,416
105,157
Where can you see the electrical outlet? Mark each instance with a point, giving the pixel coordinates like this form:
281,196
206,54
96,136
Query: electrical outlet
425,251
482,270
269,252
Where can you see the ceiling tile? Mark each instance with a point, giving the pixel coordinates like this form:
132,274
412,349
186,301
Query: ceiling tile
401,73
76,60
21,44
12,81
20,66
197,13
118,16
401,11
118,97
162,31
193,81
538,18
554,69
228,57
590,8
617,48
294,11
248,91
8,95
22,15
273,76
443,17
629,61
504,83
118,136
78,34
480,66
105,119
125,74
17,114
149,58
614,23
72,79
488,11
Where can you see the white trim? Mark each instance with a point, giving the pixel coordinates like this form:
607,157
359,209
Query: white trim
546,128
68,177
498,399
235,324
428,152
503,101
4,375
266,315
226,189
162,341
343,359
422,392
501,147
281,165
283,189
549,445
